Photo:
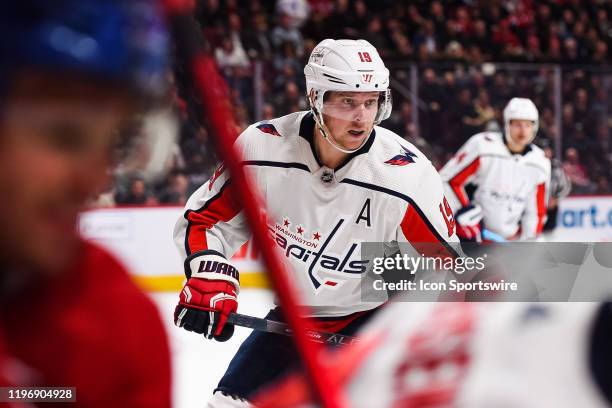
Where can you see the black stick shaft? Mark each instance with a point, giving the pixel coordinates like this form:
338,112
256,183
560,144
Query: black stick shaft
271,326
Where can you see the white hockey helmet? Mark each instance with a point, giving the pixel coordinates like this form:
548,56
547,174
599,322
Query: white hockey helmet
521,109
349,66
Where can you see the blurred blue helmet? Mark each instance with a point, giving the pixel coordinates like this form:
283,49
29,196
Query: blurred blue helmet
121,40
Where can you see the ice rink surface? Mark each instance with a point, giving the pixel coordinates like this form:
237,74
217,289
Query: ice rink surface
198,363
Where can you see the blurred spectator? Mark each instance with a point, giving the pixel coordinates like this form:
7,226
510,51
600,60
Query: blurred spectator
374,35
268,112
231,55
426,37
464,118
400,118
296,10
576,172
136,193
483,108
602,186
286,60
291,100
560,187
175,189
255,39
284,32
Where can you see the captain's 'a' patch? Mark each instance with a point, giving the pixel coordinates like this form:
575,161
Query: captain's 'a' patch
268,128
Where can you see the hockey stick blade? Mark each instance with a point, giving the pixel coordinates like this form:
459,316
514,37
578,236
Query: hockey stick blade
271,326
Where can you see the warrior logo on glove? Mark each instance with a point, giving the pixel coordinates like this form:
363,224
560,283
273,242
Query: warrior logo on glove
209,296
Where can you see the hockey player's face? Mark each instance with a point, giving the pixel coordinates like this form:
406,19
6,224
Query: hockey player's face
349,116
521,132
55,146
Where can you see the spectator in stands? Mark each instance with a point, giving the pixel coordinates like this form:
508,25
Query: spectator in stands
465,117
427,38
375,36
137,193
268,112
286,58
483,108
284,32
602,186
436,12
255,39
576,172
400,118
292,100
175,190
560,187
297,11
230,55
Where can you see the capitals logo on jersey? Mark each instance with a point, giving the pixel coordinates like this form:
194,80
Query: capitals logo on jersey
315,255
402,159
268,128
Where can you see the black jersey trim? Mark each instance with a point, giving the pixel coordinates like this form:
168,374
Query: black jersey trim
409,201
269,163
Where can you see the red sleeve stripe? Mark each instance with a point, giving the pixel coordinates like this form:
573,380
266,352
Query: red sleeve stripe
220,208
541,205
421,236
458,181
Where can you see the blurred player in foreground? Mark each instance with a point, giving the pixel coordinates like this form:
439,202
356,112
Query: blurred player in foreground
330,179
500,180
476,355
71,73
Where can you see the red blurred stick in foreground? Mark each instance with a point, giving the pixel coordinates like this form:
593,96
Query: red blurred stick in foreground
213,93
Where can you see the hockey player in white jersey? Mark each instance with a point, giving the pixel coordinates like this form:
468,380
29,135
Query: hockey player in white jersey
473,355
508,178
330,179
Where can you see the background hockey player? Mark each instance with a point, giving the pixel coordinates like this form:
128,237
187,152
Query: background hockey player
500,180
330,179
474,355
71,72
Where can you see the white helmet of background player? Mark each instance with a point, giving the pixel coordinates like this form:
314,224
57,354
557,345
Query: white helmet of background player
346,66
521,109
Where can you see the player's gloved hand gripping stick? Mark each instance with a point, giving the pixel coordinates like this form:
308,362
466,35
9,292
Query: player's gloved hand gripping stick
209,295
208,303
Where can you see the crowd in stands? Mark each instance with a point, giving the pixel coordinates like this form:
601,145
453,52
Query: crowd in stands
462,51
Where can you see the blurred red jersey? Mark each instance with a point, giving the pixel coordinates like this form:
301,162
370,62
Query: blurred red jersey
93,329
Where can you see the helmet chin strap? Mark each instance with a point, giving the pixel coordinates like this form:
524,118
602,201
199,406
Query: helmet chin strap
327,135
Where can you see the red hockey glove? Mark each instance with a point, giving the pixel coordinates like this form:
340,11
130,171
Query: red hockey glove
209,296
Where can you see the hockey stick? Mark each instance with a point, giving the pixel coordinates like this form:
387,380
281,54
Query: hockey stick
272,326
491,236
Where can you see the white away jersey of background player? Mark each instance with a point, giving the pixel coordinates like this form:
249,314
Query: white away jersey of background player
387,191
475,355
512,189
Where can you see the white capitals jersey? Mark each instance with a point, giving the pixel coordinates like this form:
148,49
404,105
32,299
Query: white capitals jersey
387,191
474,355
512,189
